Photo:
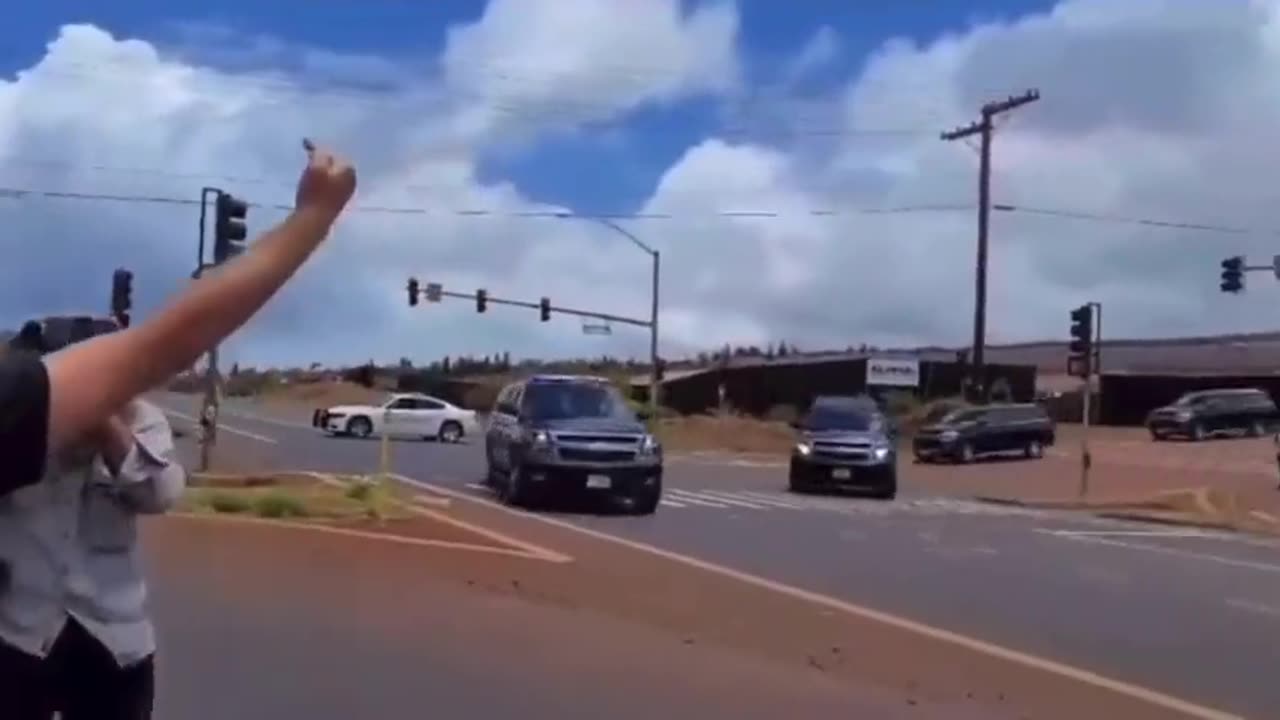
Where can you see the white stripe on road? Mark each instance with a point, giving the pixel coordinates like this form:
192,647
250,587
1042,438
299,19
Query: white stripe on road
1179,552
224,426
1053,667
1128,533
723,497
684,497
671,503
270,421
1255,607
771,500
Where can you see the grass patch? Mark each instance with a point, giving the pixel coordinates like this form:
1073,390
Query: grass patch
279,504
290,497
228,502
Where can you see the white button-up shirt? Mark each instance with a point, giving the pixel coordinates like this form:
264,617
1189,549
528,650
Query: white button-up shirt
71,543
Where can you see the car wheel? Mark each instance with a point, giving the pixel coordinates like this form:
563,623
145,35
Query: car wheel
1034,449
1157,436
1197,432
450,432
513,490
796,485
1256,429
360,427
887,492
966,453
646,501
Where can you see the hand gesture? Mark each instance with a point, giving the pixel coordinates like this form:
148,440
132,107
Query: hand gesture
327,182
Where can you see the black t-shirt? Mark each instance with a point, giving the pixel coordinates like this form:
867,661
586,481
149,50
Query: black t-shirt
24,419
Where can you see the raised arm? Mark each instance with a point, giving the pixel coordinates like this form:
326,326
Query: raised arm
89,381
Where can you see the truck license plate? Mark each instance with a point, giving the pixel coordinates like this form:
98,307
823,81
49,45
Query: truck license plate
599,481
841,473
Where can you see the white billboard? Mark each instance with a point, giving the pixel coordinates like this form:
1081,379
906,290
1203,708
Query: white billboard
895,372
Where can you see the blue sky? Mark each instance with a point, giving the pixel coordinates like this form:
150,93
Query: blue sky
633,154
650,97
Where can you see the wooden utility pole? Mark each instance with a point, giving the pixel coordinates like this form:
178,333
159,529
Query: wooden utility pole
984,127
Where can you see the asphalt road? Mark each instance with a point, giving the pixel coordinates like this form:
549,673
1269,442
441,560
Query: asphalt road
1192,614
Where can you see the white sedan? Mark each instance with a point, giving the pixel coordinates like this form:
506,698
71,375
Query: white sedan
402,415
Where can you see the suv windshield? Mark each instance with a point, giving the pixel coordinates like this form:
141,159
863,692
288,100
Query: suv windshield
963,415
1189,399
556,401
840,418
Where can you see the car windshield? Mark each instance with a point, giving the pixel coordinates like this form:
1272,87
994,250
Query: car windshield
840,418
938,413
555,401
1189,399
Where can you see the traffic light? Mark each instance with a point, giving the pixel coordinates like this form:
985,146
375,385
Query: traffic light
482,300
229,230
413,291
545,309
121,295
1233,274
1081,346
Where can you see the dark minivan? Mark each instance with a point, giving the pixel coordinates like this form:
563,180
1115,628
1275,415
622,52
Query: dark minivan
1201,414
845,443
967,433
556,434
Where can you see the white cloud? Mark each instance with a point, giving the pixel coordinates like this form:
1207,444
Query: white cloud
1161,109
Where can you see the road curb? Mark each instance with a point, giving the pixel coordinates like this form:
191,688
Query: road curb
1133,514
1166,521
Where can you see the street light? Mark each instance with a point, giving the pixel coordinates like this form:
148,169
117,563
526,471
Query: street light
653,312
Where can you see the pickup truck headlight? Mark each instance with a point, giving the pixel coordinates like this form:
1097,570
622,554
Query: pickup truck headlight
649,445
803,448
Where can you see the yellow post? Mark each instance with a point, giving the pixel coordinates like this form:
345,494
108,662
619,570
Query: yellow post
384,454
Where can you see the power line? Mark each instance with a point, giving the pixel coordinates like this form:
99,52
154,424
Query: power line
12,193
1131,220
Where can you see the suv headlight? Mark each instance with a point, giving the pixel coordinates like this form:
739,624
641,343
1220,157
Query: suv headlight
649,445
540,439
803,448
881,452
948,435
1182,415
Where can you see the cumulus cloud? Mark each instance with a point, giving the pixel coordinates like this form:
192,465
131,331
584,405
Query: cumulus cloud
1150,108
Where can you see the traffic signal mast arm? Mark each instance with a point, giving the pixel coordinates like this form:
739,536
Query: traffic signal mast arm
554,309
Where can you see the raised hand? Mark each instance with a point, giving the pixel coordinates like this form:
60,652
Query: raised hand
327,183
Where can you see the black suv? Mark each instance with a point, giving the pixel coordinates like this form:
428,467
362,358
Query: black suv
965,433
553,434
1197,415
845,443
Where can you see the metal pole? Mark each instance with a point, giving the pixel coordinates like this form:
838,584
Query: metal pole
1097,351
980,275
654,382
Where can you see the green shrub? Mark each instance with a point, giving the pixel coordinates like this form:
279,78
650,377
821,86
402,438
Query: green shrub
279,505
228,503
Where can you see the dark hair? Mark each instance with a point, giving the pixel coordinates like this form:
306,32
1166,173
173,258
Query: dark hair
30,338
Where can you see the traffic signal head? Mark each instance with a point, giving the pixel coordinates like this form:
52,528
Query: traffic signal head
121,291
1233,274
413,291
482,300
229,230
1081,330
544,308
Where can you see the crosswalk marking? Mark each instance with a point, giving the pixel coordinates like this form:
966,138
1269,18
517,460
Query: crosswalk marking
671,503
720,499
723,497
686,497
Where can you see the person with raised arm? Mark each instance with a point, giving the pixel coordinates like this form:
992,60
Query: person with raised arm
56,407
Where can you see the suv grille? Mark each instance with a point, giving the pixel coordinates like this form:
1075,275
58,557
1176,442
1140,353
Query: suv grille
622,440
842,451
575,454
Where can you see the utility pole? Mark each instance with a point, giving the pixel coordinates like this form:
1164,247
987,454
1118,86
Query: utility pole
984,127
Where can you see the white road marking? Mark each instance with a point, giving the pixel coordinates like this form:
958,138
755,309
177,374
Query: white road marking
694,499
1255,607
671,503
477,486
223,426
1128,533
1179,552
270,421
771,500
1053,667
730,498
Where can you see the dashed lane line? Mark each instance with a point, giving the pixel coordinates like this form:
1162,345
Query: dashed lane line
223,426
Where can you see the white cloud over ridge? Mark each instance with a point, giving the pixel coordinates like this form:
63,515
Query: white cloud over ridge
1150,108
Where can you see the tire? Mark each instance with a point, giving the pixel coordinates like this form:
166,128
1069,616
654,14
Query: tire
796,485
1034,450
1256,429
450,432
887,492
1156,437
966,454
1197,432
512,490
360,426
646,501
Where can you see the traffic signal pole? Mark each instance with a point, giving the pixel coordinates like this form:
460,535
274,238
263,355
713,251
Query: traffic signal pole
984,127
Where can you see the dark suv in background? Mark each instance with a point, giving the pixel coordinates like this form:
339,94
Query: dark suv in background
845,443
966,433
557,434
1198,415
